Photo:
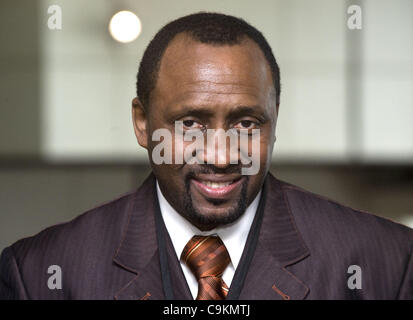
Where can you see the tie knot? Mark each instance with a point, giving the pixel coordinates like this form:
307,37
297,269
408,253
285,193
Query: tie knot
206,256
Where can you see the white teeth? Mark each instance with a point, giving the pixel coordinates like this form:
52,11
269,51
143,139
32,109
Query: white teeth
216,185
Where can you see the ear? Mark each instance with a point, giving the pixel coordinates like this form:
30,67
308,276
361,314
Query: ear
139,122
277,109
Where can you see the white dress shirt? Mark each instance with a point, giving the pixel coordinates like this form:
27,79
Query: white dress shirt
233,235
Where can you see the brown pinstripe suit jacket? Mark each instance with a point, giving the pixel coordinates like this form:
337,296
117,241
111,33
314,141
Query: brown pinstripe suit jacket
305,246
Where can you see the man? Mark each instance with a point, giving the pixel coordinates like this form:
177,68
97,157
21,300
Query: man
201,229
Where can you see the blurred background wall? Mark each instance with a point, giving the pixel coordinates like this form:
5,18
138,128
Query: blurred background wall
66,139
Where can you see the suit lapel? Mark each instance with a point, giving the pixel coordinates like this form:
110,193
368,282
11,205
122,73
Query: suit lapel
138,251
279,246
145,285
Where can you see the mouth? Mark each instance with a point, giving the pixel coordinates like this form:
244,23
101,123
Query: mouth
217,187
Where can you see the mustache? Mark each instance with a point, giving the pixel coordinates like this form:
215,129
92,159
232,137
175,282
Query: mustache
211,169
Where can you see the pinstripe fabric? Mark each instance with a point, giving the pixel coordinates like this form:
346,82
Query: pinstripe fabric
305,246
207,258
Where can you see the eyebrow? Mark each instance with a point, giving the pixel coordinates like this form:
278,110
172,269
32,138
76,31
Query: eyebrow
247,110
194,111
237,111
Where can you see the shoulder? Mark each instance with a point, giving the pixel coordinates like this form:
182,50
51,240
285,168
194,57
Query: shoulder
83,248
79,247
97,227
100,225
321,219
339,237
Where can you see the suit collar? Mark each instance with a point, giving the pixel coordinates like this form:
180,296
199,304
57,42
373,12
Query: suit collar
138,251
279,234
279,246
138,241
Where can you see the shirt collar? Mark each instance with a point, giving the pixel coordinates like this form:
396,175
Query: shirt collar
233,235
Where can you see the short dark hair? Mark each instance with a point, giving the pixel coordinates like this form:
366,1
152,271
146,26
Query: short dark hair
205,27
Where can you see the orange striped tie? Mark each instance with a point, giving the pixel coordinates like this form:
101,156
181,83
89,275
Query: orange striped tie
207,258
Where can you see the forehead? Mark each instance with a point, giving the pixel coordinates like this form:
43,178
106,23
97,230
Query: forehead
190,69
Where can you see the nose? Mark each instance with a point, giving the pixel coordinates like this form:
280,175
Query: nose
221,148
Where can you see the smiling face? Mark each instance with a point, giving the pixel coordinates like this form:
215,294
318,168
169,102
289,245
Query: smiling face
210,87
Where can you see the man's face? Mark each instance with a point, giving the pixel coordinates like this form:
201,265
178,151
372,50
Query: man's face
210,87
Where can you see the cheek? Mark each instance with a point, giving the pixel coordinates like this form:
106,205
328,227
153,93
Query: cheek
268,139
263,145
266,148
170,176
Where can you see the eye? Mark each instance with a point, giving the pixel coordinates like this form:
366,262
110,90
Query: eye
246,124
191,124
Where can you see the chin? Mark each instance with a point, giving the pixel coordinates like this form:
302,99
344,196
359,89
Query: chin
217,211
212,217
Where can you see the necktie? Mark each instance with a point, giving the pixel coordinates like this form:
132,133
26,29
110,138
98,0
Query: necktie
207,258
